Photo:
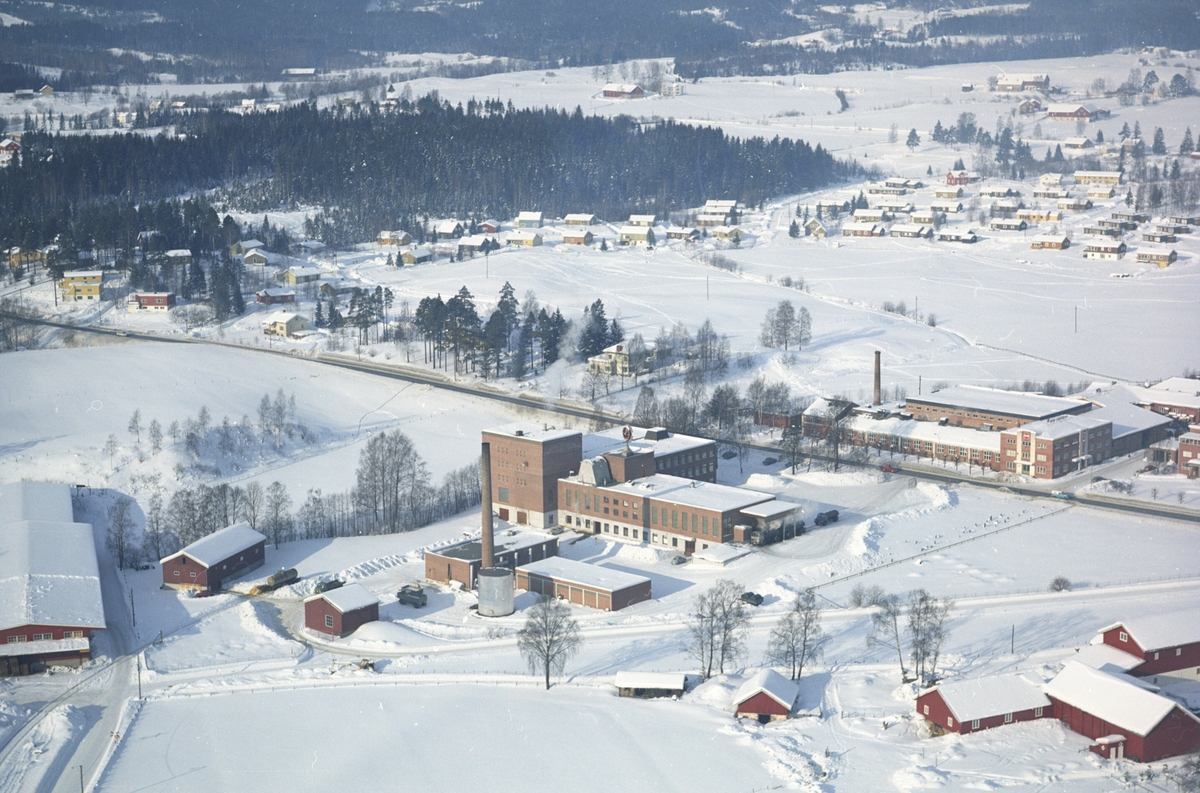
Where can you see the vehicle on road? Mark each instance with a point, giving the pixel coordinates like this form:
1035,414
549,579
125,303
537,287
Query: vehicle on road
412,594
1061,494
824,518
1148,468
753,598
325,586
679,560
888,469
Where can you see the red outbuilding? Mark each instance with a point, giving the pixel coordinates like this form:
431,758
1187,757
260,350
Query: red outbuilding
341,611
155,301
766,696
1162,645
208,562
1124,715
983,703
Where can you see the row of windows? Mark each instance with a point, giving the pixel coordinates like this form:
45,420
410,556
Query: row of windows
43,637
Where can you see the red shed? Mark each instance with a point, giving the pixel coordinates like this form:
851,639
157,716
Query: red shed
1124,715
983,703
341,611
1162,645
767,696
209,562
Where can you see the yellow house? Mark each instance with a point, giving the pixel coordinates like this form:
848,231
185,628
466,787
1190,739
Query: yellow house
294,276
21,257
394,238
731,233
526,238
81,285
613,360
285,324
416,256
631,235
244,247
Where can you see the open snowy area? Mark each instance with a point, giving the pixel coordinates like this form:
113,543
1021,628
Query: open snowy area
234,692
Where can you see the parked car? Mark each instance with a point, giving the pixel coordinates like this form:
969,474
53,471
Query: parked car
888,469
753,598
824,518
769,461
202,593
556,530
679,559
1061,494
145,566
1149,468
413,595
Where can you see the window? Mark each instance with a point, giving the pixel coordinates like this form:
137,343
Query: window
675,544
974,724
176,573
674,519
606,501
1178,651
635,534
193,575
17,639
72,634
926,710
949,721
502,495
625,531
624,503
1008,718
328,620
1037,713
1156,656
606,508
1124,636
42,637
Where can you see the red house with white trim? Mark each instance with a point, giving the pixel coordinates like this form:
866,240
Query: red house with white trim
155,301
985,702
766,696
341,611
958,178
1162,646
210,561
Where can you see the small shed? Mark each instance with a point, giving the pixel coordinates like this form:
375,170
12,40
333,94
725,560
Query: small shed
648,685
210,561
584,584
983,703
767,696
340,611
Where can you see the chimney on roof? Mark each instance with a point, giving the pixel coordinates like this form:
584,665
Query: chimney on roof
878,397
518,433
485,482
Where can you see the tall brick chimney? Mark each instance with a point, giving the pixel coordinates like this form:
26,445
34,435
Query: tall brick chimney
878,396
485,482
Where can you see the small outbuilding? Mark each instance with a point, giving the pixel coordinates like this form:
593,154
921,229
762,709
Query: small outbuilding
340,611
983,703
767,696
210,561
584,584
649,685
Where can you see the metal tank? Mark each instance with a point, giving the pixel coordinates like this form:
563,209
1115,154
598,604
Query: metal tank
496,588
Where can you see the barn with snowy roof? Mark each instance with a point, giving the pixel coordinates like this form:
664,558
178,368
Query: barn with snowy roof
766,696
985,702
210,561
1162,647
341,611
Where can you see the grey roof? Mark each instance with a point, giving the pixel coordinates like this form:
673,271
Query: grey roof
610,440
48,569
995,400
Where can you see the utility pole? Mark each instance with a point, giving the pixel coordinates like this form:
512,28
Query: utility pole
132,608
918,385
1012,648
1076,319
81,779
706,293
138,658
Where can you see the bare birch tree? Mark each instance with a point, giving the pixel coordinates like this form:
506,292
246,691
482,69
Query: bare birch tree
797,638
886,630
119,536
717,628
549,638
250,506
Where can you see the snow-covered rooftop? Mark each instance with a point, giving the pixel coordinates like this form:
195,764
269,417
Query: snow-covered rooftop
996,400
350,597
926,431
1117,701
531,431
671,681
720,554
1064,426
610,440
771,509
589,575
45,647
771,683
1162,631
1118,404
691,493
220,545
992,696
1106,658
48,569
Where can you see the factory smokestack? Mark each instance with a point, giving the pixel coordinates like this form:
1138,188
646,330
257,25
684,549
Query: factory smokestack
485,482
878,397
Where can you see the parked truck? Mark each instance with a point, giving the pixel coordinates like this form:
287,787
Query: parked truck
412,594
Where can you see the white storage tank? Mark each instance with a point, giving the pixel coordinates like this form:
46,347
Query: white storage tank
496,589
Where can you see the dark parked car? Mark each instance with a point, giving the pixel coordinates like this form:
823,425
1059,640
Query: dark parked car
753,598
413,595
325,586
679,560
824,518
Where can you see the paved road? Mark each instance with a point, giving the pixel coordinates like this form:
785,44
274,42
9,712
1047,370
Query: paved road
922,470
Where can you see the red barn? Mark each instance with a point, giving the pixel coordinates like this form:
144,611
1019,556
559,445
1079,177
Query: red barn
767,696
983,703
1161,646
208,562
1125,717
619,91
341,611
958,178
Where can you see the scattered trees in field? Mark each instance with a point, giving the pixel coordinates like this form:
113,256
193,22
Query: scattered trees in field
919,623
785,326
717,627
797,639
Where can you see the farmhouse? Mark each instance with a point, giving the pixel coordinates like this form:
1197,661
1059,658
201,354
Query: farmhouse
50,580
948,192
1077,143
1029,106
342,611
1056,242
955,234
577,237
153,301
1125,719
285,324
832,208
449,228
394,238
767,696
623,91
584,584
81,285
632,235
649,685
1101,191
862,229
475,242
1163,257
210,561
580,219
911,230
23,257
1097,177
815,228
928,217
641,220
984,703
1074,112
1104,250
1022,82
179,257
296,275
613,360
461,562
527,239
275,297
729,233
1159,648
958,178
260,257
245,246
682,233
529,220
420,255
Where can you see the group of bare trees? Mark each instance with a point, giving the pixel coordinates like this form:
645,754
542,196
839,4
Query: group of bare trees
918,624
786,326
17,329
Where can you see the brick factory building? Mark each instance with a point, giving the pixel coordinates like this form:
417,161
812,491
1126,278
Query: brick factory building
1048,449
591,585
342,611
990,408
210,561
461,562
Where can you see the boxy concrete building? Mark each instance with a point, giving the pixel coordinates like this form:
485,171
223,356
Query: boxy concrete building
584,584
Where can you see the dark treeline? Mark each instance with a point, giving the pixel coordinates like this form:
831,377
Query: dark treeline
382,168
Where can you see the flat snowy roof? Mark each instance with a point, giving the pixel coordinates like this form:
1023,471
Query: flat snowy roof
48,569
995,400
991,696
527,430
472,550
220,545
771,509
691,493
1119,702
610,440
593,576
1063,426
350,597
927,431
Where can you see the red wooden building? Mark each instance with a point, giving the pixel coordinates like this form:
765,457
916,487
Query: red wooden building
155,301
983,703
621,91
275,297
210,561
1162,646
766,696
1125,717
341,611
958,178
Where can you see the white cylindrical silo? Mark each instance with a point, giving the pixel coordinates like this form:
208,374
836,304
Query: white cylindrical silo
496,590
